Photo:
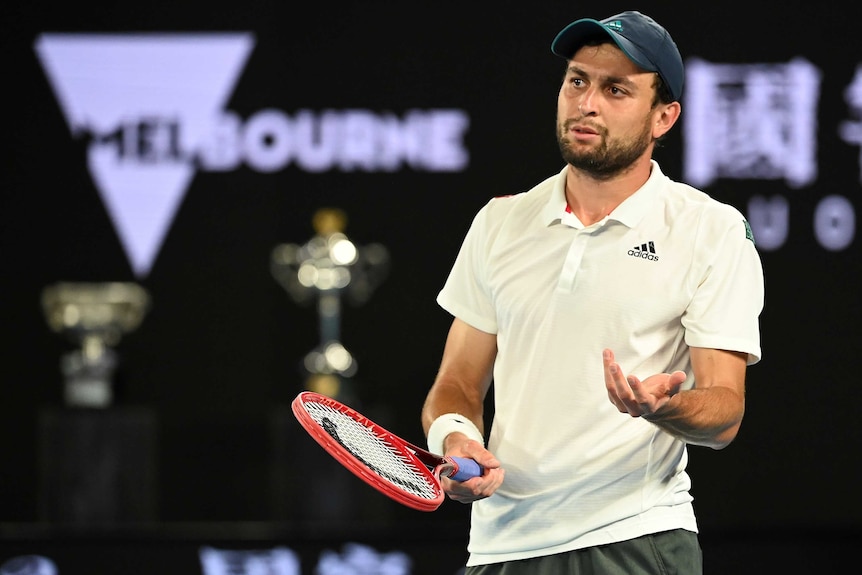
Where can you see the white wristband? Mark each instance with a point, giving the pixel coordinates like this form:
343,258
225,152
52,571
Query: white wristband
449,423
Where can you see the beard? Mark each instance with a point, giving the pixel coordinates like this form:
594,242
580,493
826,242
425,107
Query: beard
611,158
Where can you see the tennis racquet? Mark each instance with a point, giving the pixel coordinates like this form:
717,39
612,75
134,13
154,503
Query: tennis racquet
400,470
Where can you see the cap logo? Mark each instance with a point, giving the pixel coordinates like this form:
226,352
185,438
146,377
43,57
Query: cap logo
615,26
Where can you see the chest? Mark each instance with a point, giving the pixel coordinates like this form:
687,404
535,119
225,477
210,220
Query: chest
610,273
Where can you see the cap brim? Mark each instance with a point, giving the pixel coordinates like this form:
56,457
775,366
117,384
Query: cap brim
581,31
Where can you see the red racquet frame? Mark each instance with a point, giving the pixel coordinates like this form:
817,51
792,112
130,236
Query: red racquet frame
412,474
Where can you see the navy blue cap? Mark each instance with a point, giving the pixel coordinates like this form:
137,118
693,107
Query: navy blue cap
641,38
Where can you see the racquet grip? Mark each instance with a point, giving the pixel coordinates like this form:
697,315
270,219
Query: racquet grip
465,469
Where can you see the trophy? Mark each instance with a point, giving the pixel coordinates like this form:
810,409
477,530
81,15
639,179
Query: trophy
326,269
95,316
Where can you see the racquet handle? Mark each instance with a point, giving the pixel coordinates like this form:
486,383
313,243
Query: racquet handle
463,469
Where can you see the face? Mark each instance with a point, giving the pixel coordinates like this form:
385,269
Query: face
606,119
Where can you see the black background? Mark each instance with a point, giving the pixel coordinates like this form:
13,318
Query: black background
217,356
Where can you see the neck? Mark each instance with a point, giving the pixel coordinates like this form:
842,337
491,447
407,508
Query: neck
592,199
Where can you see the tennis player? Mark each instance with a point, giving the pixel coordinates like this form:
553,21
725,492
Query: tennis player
615,312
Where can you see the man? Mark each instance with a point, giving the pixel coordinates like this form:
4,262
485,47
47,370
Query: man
615,312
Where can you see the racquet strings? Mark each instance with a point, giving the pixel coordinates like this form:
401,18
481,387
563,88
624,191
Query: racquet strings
374,452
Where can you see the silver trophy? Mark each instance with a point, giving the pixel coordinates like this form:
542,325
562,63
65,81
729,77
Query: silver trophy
95,316
326,269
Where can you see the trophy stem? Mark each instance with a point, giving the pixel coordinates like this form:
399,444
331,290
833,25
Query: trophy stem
88,378
329,312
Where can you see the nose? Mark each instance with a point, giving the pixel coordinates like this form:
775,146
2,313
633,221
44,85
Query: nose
586,105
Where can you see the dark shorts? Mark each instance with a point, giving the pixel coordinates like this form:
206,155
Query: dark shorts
674,552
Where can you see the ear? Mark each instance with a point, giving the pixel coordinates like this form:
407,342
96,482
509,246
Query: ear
666,116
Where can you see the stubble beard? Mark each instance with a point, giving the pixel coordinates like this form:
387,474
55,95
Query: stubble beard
609,158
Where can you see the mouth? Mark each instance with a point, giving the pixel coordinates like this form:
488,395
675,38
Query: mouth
580,129
582,133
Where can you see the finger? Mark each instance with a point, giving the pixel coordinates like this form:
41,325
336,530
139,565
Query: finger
614,376
677,378
607,359
638,393
616,401
614,381
637,398
621,383
620,391
475,488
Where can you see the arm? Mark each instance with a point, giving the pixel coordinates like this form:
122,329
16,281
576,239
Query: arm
464,376
460,387
709,414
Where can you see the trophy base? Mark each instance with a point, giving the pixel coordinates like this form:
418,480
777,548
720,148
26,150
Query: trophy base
97,466
88,393
324,491
308,484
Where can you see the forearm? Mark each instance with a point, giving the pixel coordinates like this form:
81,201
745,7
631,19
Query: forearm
459,390
449,397
708,417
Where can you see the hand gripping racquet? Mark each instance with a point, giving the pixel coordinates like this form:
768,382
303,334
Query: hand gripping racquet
400,470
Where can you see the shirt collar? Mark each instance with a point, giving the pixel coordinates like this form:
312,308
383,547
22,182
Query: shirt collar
629,213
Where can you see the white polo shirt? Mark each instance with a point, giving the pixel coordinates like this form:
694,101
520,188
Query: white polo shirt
668,269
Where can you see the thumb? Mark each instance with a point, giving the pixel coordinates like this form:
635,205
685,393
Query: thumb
675,380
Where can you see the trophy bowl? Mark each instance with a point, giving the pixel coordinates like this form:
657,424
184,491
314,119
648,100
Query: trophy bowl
95,316
107,310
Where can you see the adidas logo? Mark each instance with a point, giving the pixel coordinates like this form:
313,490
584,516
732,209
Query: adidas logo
615,26
644,251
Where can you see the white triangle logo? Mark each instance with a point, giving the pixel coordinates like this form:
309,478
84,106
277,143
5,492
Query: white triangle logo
148,102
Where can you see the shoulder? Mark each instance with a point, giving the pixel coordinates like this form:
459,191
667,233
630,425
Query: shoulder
708,220
692,201
526,203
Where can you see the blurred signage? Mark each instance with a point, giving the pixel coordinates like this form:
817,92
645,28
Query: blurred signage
151,108
759,122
